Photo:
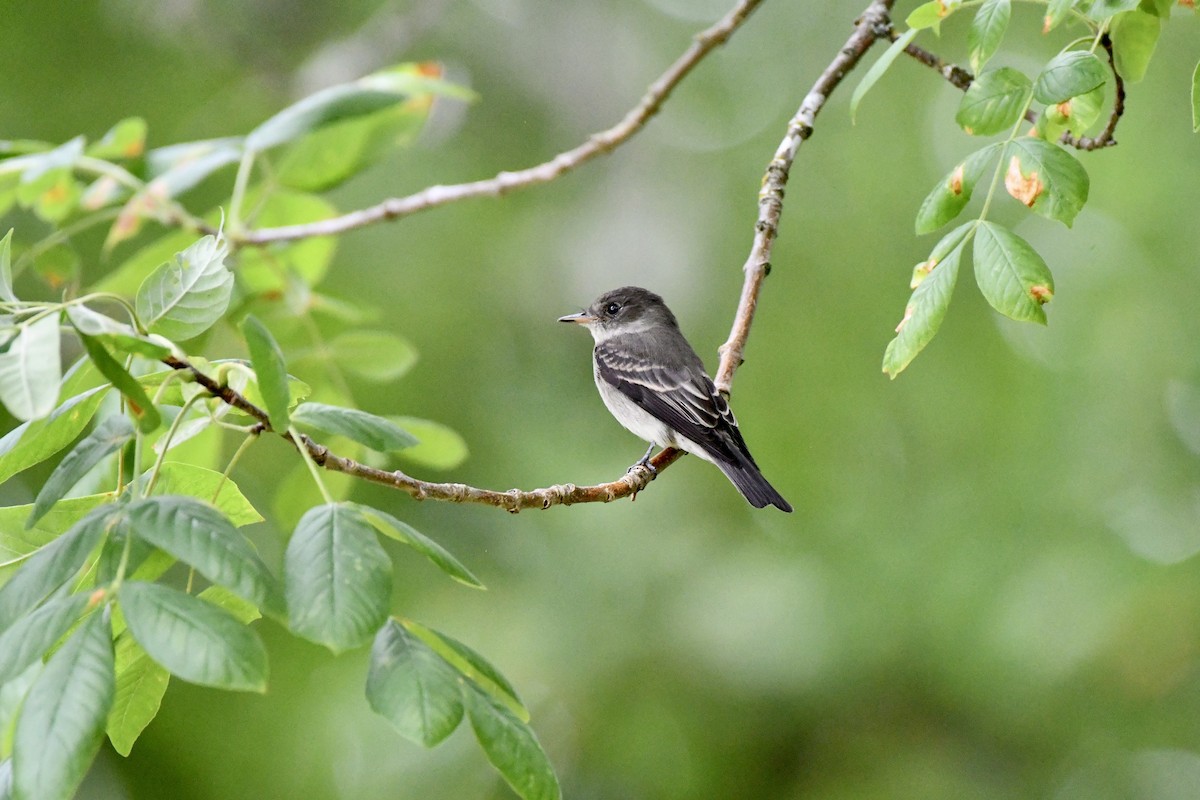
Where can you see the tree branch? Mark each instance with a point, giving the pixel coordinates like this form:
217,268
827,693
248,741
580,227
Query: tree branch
597,144
869,27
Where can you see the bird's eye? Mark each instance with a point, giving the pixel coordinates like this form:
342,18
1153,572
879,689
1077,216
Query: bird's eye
613,308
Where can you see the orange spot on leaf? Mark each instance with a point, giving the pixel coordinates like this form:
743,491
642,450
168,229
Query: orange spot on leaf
1041,293
956,180
1025,188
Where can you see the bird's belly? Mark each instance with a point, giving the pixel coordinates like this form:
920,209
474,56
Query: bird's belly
633,417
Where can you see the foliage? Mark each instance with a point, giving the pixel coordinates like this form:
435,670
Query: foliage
94,592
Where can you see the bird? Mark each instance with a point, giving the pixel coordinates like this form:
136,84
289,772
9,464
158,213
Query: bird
653,382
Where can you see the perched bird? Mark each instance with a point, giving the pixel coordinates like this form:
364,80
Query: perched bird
655,385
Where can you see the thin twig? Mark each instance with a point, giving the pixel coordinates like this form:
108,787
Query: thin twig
597,144
513,500
1105,138
770,199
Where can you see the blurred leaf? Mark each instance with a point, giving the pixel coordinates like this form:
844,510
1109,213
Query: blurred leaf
104,191
11,696
270,371
953,192
342,102
31,369
994,102
53,196
1196,99
265,270
1012,276
1134,37
1159,8
338,578
116,334
927,15
1102,9
924,313
413,687
61,158
178,167
62,719
880,67
180,478
51,566
375,432
135,396
183,298
294,493
193,639
1069,75
126,278
374,355
437,447
243,611
141,684
125,140
34,442
200,535
1047,179
512,748
471,665
17,543
28,639
406,534
58,265
6,284
108,437
987,31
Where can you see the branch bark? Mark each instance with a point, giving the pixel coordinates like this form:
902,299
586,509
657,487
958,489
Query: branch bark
873,24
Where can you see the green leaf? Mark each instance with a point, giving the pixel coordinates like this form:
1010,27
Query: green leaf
28,640
987,31
52,565
270,370
403,532
471,665
34,442
31,369
1056,12
108,437
927,15
375,432
338,578
17,544
131,273
273,270
194,640
135,396
1047,179
1076,115
512,748
413,687
953,192
1134,37
1069,75
375,355
345,101
438,446
880,67
201,536
188,479
12,694
994,102
1012,276
125,140
178,167
1196,99
62,720
1102,9
243,611
141,684
6,281
117,334
181,299
926,310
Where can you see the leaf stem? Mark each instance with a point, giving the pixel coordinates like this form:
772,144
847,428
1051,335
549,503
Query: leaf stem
165,442
245,167
312,465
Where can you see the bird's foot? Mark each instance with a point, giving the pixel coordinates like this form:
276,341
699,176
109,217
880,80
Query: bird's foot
644,461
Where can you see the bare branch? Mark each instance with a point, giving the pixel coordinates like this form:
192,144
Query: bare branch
513,500
873,23
597,144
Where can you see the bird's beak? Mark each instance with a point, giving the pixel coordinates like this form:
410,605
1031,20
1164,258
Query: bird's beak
582,318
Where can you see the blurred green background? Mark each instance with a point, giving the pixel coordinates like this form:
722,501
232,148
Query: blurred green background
988,588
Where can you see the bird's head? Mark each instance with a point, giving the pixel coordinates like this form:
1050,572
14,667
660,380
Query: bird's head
629,309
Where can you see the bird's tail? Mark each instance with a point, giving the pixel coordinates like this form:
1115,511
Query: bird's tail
744,474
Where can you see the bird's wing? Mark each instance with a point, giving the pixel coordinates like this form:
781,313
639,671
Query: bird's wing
684,398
